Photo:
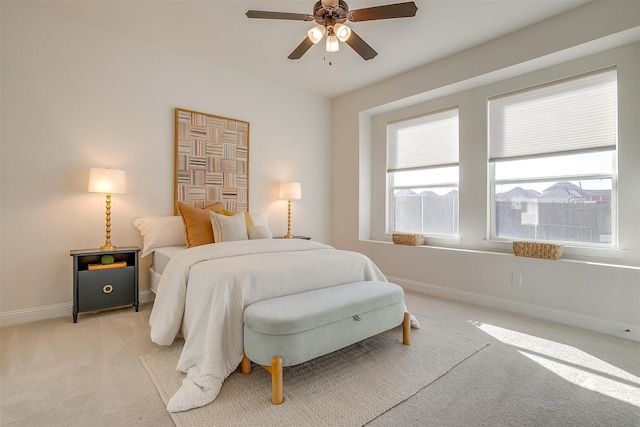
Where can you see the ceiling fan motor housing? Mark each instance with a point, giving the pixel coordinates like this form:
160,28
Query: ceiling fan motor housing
328,13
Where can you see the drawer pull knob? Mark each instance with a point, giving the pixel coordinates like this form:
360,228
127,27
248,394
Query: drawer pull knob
107,289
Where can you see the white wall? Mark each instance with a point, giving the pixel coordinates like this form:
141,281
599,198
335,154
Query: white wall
590,290
76,97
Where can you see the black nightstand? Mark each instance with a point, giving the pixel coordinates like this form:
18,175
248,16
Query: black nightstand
97,289
295,237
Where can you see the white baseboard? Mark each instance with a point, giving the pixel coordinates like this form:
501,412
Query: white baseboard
146,296
554,315
50,311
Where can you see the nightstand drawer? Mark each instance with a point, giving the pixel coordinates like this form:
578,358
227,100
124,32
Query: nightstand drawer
106,288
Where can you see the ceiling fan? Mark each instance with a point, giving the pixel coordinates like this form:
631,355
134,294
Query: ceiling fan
330,15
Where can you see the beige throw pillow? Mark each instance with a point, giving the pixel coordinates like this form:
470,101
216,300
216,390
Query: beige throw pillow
229,228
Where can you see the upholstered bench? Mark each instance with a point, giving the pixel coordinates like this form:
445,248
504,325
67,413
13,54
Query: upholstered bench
293,329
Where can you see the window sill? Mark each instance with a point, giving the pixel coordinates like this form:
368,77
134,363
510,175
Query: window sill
595,256
582,251
434,241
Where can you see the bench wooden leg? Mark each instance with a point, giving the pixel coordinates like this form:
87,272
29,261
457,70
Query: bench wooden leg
245,365
406,329
276,379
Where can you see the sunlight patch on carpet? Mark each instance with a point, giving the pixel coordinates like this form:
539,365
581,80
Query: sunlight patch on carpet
572,364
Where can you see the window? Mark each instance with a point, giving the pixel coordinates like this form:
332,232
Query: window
422,172
552,154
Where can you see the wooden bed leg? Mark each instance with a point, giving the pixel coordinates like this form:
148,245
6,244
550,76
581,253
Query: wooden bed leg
276,380
406,329
245,365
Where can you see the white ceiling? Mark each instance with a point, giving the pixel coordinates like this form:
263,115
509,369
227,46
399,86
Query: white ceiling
220,32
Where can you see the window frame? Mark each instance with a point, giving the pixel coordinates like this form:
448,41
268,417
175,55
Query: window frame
612,175
391,187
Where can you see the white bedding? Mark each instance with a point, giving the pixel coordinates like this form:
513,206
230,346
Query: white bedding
204,290
161,257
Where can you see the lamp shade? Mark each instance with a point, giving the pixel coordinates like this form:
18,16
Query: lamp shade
316,33
109,181
290,191
342,32
332,44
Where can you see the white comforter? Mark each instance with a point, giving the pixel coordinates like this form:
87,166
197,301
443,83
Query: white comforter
204,290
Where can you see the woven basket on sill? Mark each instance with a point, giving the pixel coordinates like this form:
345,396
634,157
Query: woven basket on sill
538,250
408,239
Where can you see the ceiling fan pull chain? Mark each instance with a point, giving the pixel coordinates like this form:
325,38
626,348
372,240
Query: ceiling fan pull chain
324,58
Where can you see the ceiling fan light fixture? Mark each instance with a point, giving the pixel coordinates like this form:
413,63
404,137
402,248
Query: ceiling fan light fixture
331,16
332,44
342,32
316,33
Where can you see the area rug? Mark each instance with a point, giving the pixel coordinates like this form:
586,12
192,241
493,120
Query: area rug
349,387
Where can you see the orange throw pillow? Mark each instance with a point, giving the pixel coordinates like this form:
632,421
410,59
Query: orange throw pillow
197,223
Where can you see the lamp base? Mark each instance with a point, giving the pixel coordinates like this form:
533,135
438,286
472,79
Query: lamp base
107,243
288,235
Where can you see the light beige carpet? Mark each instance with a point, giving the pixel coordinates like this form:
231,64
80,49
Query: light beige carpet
349,387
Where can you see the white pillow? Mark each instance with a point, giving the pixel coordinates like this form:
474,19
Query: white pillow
160,231
260,228
259,232
259,219
228,228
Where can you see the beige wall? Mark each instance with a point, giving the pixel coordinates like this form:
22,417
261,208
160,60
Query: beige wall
592,289
76,97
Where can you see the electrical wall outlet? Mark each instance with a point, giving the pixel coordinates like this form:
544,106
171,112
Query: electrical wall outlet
516,279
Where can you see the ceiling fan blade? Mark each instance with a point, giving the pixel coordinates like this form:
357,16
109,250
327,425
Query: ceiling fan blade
361,46
263,14
398,10
301,49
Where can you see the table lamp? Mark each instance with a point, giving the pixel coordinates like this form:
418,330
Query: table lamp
108,181
290,191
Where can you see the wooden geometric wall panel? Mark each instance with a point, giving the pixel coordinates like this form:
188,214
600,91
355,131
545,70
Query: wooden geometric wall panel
211,161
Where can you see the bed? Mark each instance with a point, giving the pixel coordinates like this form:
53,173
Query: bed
160,260
201,293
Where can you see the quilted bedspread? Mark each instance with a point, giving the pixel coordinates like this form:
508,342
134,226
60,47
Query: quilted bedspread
204,290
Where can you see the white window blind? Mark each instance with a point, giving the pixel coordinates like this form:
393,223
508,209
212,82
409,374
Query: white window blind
423,142
577,114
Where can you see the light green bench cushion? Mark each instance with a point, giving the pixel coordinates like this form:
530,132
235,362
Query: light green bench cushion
303,326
